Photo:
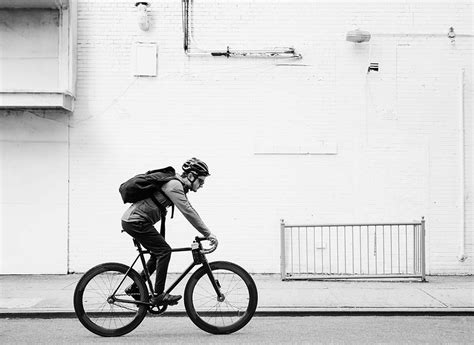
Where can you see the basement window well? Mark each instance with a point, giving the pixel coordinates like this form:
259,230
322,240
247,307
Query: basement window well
37,54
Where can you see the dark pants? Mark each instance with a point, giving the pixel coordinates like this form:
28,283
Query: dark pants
150,238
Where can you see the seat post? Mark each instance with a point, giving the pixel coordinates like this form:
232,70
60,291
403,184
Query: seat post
139,247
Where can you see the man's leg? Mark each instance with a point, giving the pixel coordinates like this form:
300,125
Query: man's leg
161,255
135,230
150,265
149,237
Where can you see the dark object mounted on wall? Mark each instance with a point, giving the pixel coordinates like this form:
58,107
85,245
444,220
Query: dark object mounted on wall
452,35
374,66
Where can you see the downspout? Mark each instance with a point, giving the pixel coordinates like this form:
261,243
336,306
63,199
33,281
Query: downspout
462,253
185,13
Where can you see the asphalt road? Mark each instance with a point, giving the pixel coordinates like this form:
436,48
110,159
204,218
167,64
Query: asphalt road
261,330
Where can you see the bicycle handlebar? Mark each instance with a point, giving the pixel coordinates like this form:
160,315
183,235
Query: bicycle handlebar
206,250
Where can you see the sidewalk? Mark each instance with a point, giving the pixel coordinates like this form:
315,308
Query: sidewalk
51,296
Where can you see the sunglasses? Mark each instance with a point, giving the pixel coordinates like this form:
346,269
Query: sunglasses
199,179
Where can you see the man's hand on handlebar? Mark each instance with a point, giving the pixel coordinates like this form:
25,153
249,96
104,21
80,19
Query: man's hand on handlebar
213,239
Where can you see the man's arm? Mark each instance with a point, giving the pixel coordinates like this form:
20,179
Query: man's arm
174,191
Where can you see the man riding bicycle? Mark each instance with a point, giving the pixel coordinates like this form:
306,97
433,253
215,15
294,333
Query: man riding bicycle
139,219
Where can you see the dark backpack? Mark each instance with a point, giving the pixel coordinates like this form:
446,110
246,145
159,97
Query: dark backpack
143,186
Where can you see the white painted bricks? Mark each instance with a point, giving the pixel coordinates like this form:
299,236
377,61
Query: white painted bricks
396,130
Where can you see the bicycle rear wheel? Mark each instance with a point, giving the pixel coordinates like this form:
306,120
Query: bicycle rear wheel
103,312
229,315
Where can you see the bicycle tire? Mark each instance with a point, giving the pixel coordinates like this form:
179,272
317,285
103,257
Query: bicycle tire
93,308
230,315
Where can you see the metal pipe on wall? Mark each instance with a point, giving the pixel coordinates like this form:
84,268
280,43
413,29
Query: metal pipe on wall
282,249
462,253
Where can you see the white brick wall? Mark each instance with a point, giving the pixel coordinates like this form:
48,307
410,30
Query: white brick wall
396,131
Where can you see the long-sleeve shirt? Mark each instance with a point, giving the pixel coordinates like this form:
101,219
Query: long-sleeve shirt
146,210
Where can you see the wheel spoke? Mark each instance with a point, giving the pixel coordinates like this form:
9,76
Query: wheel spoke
124,307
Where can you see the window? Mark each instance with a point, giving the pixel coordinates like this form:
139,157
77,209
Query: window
37,54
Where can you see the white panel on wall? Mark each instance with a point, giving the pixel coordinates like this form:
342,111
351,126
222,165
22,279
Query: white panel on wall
298,147
144,57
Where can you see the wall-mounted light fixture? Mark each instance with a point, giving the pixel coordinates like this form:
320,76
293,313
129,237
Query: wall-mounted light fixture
358,36
142,15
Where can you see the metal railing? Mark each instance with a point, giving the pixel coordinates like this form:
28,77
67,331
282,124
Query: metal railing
349,251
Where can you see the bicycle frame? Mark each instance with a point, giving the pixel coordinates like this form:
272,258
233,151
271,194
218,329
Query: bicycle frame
199,258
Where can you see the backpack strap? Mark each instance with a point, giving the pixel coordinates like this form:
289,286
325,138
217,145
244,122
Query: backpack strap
162,225
163,213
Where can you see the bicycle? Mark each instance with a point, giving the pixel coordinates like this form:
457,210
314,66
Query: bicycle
222,304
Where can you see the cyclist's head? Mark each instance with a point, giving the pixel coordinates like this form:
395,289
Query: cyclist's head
195,171
196,166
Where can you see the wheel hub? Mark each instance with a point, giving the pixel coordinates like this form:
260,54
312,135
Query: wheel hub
221,298
110,300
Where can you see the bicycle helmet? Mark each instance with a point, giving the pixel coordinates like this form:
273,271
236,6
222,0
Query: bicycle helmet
197,166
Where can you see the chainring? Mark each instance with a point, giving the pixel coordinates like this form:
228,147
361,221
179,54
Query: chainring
157,309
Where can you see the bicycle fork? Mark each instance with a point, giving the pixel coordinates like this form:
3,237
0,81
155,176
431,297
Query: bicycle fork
200,258
215,283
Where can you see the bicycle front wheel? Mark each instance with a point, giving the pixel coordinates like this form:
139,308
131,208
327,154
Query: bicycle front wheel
101,303
221,316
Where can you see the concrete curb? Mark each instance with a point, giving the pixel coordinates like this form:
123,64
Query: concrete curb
273,313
